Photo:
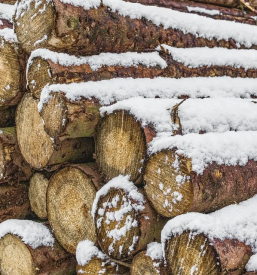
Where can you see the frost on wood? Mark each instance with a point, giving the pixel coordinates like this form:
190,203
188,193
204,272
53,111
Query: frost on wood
7,11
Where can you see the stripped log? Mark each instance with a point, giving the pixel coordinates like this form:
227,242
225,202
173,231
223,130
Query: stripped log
37,147
7,116
13,167
26,255
200,173
150,261
14,203
125,222
93,261
218,243
70,28
70,197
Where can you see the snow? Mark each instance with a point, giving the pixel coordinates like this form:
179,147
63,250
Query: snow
252,263
154,250
8,35
229,148
109,91
86,250
31,233
238,221
7,11
203,10
199,57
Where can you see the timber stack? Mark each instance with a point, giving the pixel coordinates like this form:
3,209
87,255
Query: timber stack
128,137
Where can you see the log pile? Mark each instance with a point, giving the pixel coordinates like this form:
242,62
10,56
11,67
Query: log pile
117,117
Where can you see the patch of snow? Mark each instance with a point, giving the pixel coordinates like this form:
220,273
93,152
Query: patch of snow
8,35
154,250
252,263
203,10
7,11
41,40
31,233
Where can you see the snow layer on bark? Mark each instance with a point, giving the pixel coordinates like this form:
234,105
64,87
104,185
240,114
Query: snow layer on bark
252,263
31,233
8,35
109,91
7,11
86,250
238,221
200,57
155,111
229,148
203,10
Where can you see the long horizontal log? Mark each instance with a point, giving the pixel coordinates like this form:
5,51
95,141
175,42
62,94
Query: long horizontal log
90,31
38,148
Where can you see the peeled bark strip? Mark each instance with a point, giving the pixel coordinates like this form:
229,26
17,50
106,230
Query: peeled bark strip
7,116
202,255
70,196
37,147
18,258
14,203
64,27
13,167
37,194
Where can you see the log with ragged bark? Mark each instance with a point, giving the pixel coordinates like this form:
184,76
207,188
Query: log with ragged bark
7,116
150,261
14,203
38,148
113,27
200,173
125,222
93,261
32,251
218,243
13,167
70,197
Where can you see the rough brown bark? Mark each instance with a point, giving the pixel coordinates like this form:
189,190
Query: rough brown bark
38,148
5,23
148,229
203,255
74,30
70,197
18,258
13,167
12,2
7,116
217,187
14,203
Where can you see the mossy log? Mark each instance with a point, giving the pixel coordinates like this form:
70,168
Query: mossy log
122,235
12,72
64,27
13,167
38,148
143,264
17,258
201,255
182,190
14,201
70,197
7,116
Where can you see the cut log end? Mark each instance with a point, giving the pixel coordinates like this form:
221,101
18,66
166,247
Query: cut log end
34,25
189,254
37,194
70,198
120,146
15,257
168,185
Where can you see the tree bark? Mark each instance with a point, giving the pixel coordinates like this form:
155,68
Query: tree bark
18,258
5,24
14,203
13,167
203,255
7,116
38,148
70,197
218,186
63,27
11,2
120,245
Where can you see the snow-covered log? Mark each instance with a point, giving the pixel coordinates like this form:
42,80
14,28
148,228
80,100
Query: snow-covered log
70,196
7,116
27,247
93,261
88,28
6,14
127,127
38,148
14,203
201,173
125,222
218,243
13,167
150,261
